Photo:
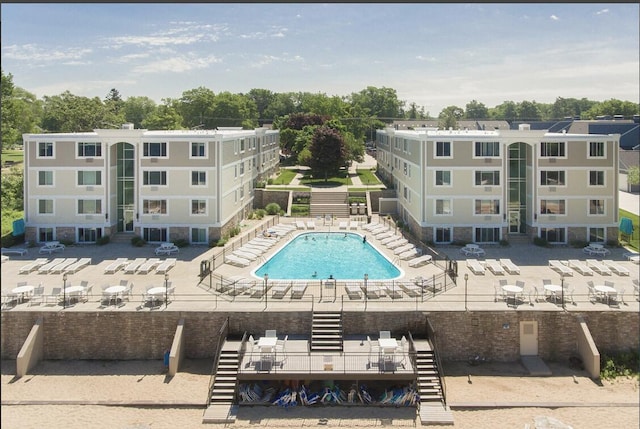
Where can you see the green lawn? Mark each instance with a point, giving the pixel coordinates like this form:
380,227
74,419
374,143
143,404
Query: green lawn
15,156
341,179
285,177
634,240
367,177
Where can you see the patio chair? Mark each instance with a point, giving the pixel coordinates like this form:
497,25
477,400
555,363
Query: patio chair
54,296
520,283
593,295
609,283
385,334
281,348
270,333
38,295
8,298
499,294
374,351
84,296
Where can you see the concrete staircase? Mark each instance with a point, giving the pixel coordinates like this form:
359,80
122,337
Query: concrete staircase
121,237
329,203
221,408
433,409
326,332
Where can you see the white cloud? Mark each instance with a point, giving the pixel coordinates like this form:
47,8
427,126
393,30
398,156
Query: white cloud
554,18
127,58
34,53
602,11
181,33
425,58
177,64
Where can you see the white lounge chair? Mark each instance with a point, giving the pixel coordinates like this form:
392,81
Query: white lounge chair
63,265
411,289
598,267
245,254
167,249
475,266
420,261
409,254
300,224
46,268
370,226
401,249
580,267
354,291
33,265
252,249
116,265
342,225
166,265
616,268
237,260
148,265
353,225
279,289
508,265
397,243
392,290
77,266
559,267
394,237
311,224
14,251
298,290
133,266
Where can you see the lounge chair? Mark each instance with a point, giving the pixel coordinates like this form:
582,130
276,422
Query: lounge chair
245,254
311,224
397,243
373,291
401,249
286,226
633,257
598,267
148,265
580,267
46,268
420,261
353,225
354,291
33,265
615,267
14,251
58,269
409,254
509,266
300,224
343,225
280,288
385,234
52,246
167,249
252,249
378,229
237,260
391,289
166,265
411,289
475,266
298,290
370,226
116,265
494,266
77,266
394,237
559,267
38,295
133,266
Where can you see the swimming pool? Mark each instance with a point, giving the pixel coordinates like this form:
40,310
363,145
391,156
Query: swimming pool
317,255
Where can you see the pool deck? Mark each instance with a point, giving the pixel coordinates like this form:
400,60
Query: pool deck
193,295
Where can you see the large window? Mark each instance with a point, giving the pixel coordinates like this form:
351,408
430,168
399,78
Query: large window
198,235
242,168
198,178
89,149
443,149
487,207
554,207
552,149
596,235
154,178
596,207
154,234
198,207
89,178
488,178
45,206
153,149
596,178
89,235
443,178
198,150
89,206
596,150
553,235
45,178
552,178
45,150
487,149
487,235
443,207
154,206
45,234
443,235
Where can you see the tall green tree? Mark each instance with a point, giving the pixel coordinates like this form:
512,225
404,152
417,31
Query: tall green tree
7,116
137,109
327,152
613,107
528,111
165,117
233,110
71,113
449,117
196,107
476,110
380,102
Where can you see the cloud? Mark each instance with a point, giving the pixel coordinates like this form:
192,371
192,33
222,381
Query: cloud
425,58
265,60
128,58
181,33
602,11
554,18
34,53
177,64
274,32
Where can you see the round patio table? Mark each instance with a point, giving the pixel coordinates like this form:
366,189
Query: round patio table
23,291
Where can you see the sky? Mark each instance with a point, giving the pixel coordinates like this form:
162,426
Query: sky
433,54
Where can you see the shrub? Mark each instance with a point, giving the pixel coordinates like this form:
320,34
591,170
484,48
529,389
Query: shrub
181,242
67,242
261,184
626,364
138,241
260,213
221,242
539,241
504,243
105,239
234,231
273,208
270,182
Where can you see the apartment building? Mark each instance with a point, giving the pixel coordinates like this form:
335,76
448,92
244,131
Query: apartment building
160,185
487,186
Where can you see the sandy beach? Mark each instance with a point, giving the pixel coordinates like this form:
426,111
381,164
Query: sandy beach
138,395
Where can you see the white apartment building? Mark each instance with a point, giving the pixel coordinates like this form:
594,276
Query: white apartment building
487,186
161,185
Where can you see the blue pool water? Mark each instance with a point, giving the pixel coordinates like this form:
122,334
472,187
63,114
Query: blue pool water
343,255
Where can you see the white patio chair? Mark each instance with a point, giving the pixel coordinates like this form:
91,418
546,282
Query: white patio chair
54,296
385,334
38,295
374,351
270,333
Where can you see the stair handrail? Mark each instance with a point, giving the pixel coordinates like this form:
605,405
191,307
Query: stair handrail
222,335
433,340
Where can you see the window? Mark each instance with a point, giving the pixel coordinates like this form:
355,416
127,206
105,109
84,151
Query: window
404,164
154,234
443,207
407,194
488,178
45,206
596,207
45,234
487,235
88,178
596,150
154,207
89,206
549,149
198,150
45,178
596,235
596,178
443,149
89,235
89,149
553,235
552,207
552,178
242,145
45,150
155,149
154,177
242,168
198,178
198,207
198,235
487,149
443,235
484,207
443,178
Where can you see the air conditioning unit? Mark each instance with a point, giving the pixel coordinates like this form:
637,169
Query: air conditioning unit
89,159
89,188
154,160
552,160
552,189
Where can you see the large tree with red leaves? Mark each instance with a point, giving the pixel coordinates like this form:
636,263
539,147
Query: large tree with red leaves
328,152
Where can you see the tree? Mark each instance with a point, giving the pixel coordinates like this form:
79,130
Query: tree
8,117
137,109
528,111
196,107
327,152
70,113
165,117
613,107
449,117
476,110
633,176
506,111
263,98
380,102
233,110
